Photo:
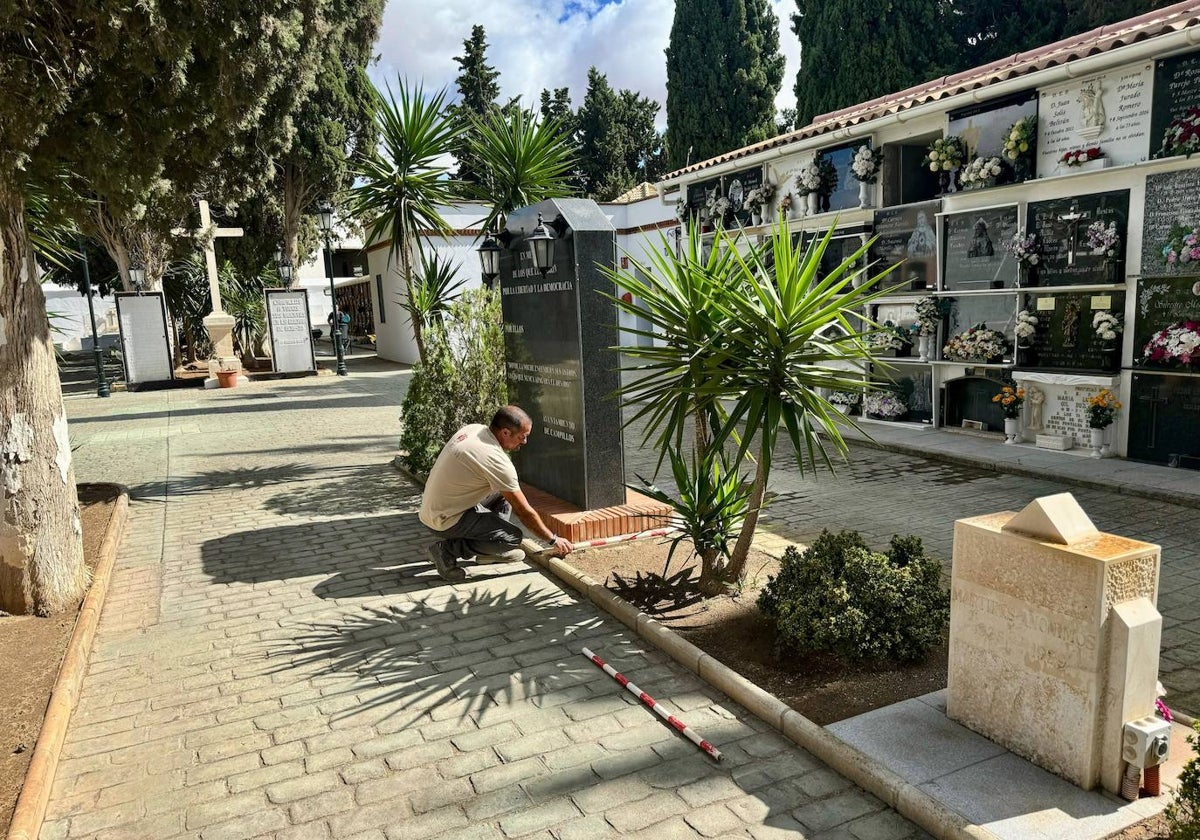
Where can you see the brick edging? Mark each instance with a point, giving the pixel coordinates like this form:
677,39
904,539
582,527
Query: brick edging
39,778
897,792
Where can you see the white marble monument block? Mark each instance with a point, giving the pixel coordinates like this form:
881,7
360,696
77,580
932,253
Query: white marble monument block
1041,661
1058,442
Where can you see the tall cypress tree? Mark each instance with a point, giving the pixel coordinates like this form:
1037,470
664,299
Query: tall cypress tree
853,51
724,69
478,89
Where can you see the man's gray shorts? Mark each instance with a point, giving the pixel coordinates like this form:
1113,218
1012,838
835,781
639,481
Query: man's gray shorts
484,529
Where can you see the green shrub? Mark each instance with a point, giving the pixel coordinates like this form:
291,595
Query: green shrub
841,597
1183,814
461,380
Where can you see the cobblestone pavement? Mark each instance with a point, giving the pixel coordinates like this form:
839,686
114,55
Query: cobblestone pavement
883,493
276,659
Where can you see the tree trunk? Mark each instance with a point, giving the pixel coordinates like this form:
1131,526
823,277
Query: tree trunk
405,253
295,197
737,561
41,544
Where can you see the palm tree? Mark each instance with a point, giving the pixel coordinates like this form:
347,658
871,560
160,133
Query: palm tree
404,182
746,349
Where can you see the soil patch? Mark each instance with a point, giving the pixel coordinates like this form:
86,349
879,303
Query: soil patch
31,650
730,628
1153,828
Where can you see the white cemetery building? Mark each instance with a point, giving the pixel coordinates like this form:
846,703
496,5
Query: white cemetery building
1115,222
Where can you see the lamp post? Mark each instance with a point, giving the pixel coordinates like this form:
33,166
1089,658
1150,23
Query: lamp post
489,259
137,277
101,379
541,247
284,266
325,215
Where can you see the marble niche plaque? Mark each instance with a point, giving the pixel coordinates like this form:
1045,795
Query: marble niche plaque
290,331
145,345
1061,226
1162,302
908,235
1065,339
1176,88
1164,420
973,255
1172,198
1110,110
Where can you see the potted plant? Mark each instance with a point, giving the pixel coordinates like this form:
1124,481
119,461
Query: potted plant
943,156
976,344
1027,251
845,400
1019,146
884,405
1011,398
227,375
1176,346
1105,241
1102,411
865,168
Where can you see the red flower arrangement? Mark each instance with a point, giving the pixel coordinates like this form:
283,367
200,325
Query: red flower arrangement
1182,136
1077,157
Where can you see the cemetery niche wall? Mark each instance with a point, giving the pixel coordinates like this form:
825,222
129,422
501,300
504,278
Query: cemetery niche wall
557,333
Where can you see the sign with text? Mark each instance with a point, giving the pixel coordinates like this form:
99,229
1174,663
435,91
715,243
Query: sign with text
1111,111
1161,303
1061,226
1172,201
290,331
1176,88
973,255
145,348
907,234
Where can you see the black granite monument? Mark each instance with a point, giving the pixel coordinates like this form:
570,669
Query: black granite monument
558,331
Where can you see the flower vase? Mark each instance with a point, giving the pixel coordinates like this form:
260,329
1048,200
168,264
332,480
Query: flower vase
1097,443
1028,275
1012,429
923,348
754,218
814,203
1022,171
864,194
1112,270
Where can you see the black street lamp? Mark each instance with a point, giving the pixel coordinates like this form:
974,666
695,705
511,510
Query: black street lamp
285,268
489,258
325,216
541,247
101,379
137,277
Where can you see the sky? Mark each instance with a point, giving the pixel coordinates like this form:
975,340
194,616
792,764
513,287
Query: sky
538,44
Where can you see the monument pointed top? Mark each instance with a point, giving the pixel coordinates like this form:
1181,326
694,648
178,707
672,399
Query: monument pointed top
1054,519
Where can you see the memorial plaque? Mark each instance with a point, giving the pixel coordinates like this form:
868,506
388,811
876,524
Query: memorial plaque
914,383
1176,88
973,255
1110,110
1161,302
1164,419
290,331
698,194
145,348
1061,226
983,127
845,190
737,186
558,331
1065,339
997,312
1172,198
907,234
841,247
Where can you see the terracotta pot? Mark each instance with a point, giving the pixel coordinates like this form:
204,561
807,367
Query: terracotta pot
227,378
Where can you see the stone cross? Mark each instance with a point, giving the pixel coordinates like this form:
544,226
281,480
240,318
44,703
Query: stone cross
1072,220
218,324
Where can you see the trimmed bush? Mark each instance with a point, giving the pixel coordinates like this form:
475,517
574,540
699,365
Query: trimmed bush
461,381
838,596
1183,814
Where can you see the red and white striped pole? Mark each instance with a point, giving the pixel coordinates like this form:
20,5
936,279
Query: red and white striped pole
600,543
649,701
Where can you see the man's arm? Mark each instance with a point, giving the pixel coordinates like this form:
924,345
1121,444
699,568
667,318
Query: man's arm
533,522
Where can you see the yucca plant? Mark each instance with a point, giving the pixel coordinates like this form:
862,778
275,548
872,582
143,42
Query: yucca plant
709,511
402,185
435,287
749,344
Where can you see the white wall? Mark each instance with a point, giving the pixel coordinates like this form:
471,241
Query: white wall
72,326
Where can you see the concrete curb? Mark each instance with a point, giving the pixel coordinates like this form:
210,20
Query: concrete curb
899,794
35,793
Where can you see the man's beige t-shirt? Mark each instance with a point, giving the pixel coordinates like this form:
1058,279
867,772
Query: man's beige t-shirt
471,467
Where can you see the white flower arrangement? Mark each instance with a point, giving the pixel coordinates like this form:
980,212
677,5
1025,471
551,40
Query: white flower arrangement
681,209
1027,325
884,404
809,179
865,165
976,344
845,398
1107,325
716,208
1178,344
1021,137
760,195
1104,240
929,315
982,172
887,337
944,154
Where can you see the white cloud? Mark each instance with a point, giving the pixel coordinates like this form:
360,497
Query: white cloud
539,44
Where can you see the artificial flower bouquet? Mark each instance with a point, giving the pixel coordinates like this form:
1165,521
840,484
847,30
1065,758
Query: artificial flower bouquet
1104,239
889,337
976,344
1102,409
866,163
1027,327
1010,399
982,172
785,204
1177,345
845,397
1026,250
1183,246
1107,325
930,310
810,177
681,209
1021,137
1078,157
884,404
1182,135
760,195
945,154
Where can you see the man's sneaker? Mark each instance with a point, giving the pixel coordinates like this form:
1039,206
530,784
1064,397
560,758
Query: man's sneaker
513,556
445,569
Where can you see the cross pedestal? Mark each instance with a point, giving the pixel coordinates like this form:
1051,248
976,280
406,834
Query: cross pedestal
219,324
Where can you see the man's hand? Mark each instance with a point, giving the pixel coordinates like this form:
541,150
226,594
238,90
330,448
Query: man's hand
562,546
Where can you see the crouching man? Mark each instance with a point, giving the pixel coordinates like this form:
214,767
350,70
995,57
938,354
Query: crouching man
473,490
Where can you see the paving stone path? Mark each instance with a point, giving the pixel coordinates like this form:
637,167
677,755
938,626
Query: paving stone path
276,659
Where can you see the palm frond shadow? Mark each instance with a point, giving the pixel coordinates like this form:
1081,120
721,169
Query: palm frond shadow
395,658
658,595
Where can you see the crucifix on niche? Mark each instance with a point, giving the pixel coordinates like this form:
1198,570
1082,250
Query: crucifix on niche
1072,220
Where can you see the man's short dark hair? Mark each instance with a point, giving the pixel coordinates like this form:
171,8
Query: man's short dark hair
510,417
